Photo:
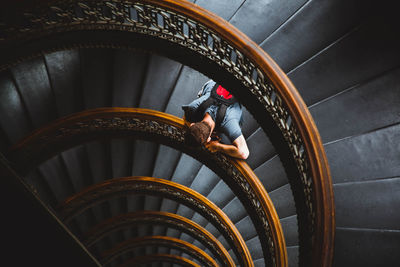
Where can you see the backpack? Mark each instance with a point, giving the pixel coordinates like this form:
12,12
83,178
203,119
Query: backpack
219,97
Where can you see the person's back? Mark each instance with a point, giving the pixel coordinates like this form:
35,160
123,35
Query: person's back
216,109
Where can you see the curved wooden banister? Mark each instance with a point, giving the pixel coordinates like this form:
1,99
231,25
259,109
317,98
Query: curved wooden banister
170,220
164,241
230,58
126,186
160,257
169,130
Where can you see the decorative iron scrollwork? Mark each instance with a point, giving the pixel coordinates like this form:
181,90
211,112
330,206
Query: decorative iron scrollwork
109,122
78,203
163,241
144,18
162,20
160,218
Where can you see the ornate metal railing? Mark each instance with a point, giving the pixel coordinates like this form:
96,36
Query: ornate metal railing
126,186
166,129
147,259
169,242
200,39
169,220
158,241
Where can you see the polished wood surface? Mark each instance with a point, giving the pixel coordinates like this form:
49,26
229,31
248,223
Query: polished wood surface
323,236
166,241
162,258
44,142
166,219
125,186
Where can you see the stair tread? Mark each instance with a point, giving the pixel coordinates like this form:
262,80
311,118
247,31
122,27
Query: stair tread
381,54
290,230
365,204
260,148
313,22
272,174
344,115
283,201
360,243
14,119
371,156
160,81
129,72
258,28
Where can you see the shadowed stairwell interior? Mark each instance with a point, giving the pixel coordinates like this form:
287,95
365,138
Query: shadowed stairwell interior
91,95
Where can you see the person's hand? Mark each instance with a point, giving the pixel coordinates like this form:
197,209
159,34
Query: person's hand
212,146
215,136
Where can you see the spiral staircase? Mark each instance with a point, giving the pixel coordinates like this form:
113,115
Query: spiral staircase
95,170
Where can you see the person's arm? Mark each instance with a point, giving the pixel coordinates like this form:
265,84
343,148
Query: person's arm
238,149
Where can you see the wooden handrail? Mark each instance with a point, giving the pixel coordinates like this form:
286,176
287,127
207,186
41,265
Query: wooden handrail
157,126
160,257
323,238
170,220
117,187
267,90
165,241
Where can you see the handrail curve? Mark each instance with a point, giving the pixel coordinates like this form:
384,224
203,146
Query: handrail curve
160,257
170,220
116,187
169,130
232,59
165,241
